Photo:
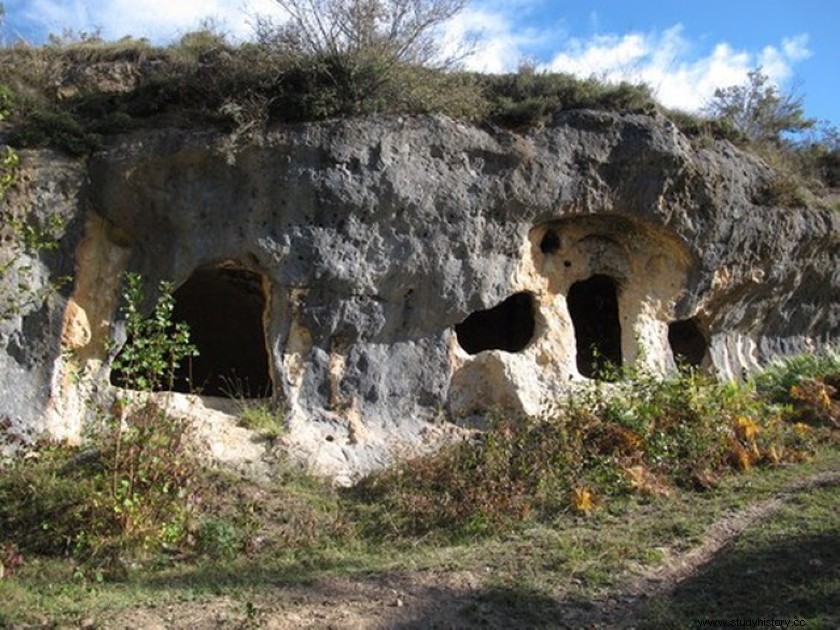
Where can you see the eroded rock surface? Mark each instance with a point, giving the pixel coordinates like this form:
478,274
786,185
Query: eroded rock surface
412,271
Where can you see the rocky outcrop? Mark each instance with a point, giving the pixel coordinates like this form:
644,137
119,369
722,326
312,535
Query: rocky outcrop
385,277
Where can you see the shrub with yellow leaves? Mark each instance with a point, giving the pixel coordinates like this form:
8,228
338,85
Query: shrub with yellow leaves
746,428
740,458
582,500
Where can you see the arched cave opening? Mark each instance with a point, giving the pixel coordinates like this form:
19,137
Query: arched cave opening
688,343
593,306
223,307
508,326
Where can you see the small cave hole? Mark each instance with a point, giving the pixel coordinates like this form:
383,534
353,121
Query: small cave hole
593,306
550,242
688,344
224,309
508,326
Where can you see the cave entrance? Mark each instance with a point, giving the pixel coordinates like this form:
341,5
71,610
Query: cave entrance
688,344
224,308
508,326
593,306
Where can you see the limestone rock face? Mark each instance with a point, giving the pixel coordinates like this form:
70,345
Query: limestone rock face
31,305
382,278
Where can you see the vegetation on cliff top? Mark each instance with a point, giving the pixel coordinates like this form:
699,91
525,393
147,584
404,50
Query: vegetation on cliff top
74,91
70,93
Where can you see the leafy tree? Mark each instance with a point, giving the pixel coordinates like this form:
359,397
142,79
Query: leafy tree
759,110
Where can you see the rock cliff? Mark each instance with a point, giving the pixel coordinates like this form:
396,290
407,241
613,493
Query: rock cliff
382,278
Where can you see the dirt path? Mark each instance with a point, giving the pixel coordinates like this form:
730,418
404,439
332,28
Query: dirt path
677,567
446,599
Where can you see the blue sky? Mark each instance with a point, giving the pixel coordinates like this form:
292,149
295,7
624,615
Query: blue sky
683,48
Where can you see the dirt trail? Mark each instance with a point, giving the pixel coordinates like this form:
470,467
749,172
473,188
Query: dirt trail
677,567
446,599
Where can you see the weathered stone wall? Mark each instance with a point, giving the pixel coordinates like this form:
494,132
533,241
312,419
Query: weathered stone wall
375,238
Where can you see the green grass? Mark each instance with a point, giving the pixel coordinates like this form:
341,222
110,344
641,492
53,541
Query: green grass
260,417
785,567
661,459
526,572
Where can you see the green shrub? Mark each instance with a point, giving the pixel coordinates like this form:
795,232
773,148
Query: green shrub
641,436
135,484
155,345
703,128
52,504
525,99
153,478
197,45
777,379
219,538
9,159
784,189
195,80
129,490
759,110
806,388
6,101
55,128
828,163
9,162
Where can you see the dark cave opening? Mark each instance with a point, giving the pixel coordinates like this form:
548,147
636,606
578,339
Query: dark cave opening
593,306
550,242
688,343
223,307
508,326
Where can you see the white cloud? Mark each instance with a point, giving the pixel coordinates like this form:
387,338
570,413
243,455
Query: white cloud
680,73
665,62
496,37
496,46
602,55
796,48
159,20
